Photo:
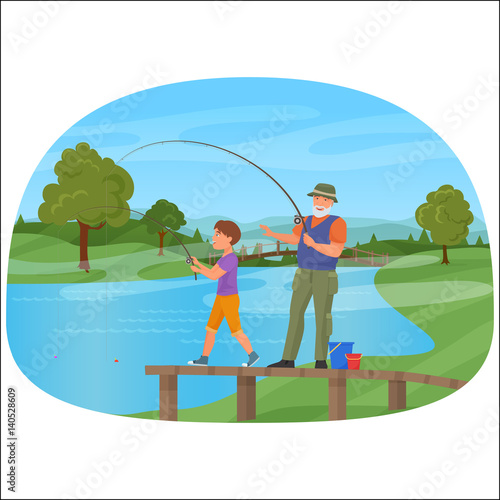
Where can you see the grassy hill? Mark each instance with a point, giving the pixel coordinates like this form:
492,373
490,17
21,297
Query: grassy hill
46,253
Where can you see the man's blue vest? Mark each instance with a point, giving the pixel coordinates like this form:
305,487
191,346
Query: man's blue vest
308,258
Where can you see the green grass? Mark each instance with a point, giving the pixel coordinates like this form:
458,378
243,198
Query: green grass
37,258
165,270
461,329
74,277
42,248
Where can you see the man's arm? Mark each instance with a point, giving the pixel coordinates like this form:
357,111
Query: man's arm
334,249
291,239
338,236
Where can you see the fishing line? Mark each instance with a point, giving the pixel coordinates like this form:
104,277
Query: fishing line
298,219
189,260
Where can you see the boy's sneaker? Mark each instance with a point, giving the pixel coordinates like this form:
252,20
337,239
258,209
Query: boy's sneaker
202,361
253,357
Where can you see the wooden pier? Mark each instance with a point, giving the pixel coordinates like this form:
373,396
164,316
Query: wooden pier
246,406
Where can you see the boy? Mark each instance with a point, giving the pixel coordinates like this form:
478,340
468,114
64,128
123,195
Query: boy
227,301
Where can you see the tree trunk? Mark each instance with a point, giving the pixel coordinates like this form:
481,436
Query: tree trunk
445,256
84,240
162,235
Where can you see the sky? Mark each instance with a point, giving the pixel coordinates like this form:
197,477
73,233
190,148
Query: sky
382,160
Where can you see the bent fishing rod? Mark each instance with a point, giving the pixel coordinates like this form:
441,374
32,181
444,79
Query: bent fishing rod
298,219
189,259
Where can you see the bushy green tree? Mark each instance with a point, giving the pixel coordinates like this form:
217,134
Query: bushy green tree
85,181
167,214
447,216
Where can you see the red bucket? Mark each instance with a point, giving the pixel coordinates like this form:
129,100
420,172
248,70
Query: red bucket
353,361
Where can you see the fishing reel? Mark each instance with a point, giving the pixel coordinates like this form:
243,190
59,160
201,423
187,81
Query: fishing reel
297,220
189,261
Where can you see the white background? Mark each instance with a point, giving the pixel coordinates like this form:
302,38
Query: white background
426,59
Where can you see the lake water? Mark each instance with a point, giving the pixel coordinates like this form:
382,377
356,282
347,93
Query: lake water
66,338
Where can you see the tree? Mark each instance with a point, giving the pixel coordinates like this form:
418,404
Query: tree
197,236
479,241
165,213
410,238
424,237
85,181
20,220
447,216
373,238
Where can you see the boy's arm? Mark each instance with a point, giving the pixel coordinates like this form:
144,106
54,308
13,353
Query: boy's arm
214,274
199,264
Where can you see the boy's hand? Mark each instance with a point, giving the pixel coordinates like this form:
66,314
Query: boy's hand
267,231
195,261
195,269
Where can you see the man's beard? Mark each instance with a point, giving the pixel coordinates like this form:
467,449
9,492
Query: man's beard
321,213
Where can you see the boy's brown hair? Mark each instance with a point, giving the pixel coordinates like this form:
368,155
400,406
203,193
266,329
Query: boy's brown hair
229,229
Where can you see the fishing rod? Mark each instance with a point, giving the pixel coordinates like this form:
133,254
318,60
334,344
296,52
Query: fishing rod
189,259
298,219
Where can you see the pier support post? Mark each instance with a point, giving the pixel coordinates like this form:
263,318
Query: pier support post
337,397
397,395
168,397
246,400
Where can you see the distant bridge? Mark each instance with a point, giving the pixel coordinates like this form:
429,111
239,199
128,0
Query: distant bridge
362,256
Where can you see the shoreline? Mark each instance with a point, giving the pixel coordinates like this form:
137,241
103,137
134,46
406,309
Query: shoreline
470,346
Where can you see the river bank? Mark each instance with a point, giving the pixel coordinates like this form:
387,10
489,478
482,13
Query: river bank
452,304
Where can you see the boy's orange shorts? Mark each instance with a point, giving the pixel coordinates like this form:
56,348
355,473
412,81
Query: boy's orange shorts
225,306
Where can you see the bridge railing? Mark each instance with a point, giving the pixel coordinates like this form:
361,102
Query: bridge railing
257,251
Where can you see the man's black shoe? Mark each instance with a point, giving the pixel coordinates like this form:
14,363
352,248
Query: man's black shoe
321,364
284,363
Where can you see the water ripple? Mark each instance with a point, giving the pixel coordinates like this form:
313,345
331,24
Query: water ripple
158,320
174,311
37,299
123,330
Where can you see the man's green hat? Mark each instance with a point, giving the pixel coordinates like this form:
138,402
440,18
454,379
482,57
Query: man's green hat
326,190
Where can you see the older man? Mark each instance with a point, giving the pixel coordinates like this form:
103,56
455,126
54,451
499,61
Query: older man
317,255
